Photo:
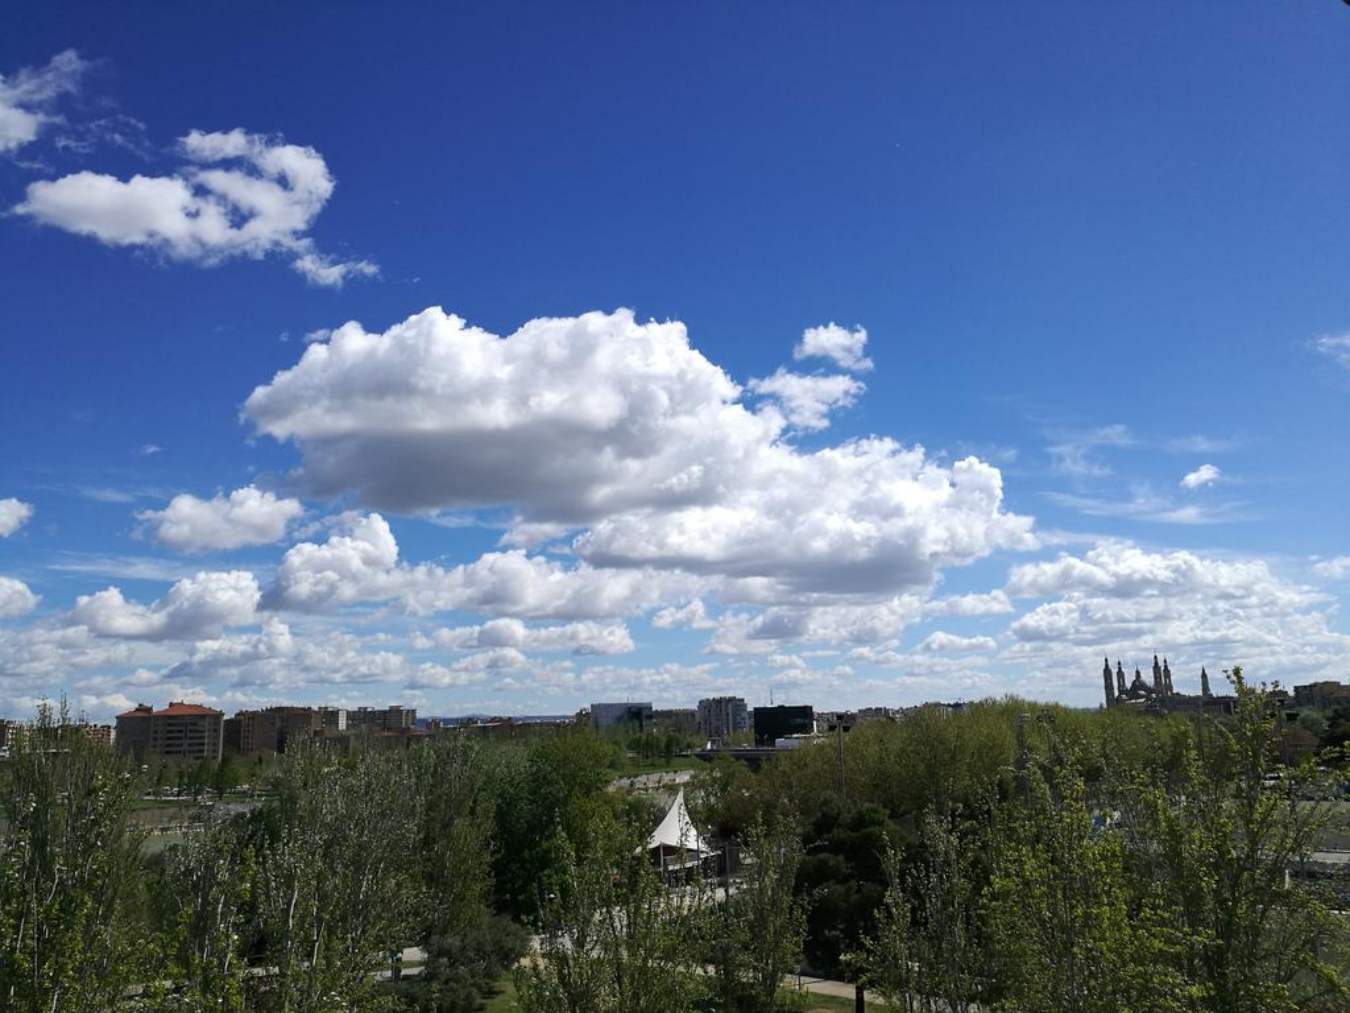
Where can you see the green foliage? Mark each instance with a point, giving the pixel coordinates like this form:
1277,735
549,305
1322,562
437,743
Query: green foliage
756,933
335,887
68,868
614,938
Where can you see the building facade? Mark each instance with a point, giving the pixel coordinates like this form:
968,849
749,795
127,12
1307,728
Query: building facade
133,731
774,723
720,717
610,715
187,731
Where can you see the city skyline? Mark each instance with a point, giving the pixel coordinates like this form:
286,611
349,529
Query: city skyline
503,362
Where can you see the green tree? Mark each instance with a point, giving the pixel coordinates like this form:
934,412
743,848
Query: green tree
757,931
928,953
615,939
204,893
1064,934
1220,844
337,882
68,870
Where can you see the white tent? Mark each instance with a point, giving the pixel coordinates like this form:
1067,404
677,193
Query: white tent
677,833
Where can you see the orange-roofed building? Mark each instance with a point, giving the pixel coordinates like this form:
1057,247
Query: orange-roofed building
186,731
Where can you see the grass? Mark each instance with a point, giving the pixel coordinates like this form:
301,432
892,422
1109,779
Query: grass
503,1000
503,997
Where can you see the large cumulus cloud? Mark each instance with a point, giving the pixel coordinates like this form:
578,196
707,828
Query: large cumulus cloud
627,434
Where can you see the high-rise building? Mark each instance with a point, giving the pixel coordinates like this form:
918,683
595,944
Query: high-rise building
774,723
133,731
381,719
610,715
720,717
333,719
186,731
269,730
679,720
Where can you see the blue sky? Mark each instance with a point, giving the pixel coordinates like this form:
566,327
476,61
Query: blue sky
1094,255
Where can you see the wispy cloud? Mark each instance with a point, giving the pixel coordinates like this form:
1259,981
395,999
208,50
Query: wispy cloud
1145,505
1074,453
1198,443
1335,346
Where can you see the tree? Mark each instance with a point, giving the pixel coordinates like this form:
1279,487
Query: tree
614,939
758,929
205,887
68,867
1065,931
928,952
336,883
1220,846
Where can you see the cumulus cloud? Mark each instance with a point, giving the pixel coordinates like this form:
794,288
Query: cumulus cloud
1335,347
196,607
987,603
239,195
248,516
1206,474
14,514
840,345
27,96
692,615
361,563
16,599
806,401
1337,568
623,429
585,637
1121,600
940,641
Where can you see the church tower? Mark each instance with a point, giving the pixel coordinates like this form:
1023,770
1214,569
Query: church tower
1204,682
1167,679
1120,681
1157,676
1108,683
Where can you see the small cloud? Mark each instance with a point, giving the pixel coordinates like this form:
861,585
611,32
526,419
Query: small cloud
1073,455
1335,346
839,344
1206,474
14,514
149,449
1198,443
318,334
1333,569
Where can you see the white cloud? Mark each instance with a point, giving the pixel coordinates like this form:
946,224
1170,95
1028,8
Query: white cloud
248,516
362,563
941,641
196,607
692,616
767,631
14,514
838,344
240,194
1074,454
1336,347
1198,443
1127,602
623,428
149,449
1206,474
989,603
806,401
26,98
585,637
1337,568
16,599
1143,504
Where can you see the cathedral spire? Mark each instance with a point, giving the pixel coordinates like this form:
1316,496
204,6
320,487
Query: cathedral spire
1120,681
1204,682
1108,683
1167,679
